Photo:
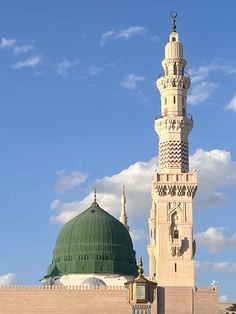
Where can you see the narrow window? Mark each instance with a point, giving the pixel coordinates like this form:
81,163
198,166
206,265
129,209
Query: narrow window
174,99
175,267
165,101
175,69
173,39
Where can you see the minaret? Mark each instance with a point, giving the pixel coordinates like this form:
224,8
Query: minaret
171,250
123,216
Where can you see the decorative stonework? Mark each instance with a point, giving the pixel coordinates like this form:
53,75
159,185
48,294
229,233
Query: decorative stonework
173,124
173,81
174,154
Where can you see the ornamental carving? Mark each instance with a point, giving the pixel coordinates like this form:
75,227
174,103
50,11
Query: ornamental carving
173,190
173,124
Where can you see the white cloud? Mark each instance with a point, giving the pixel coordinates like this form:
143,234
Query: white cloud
130,81
215,240
210,178
201,92
56,204
60,173
8,279
202,89
202,72
124,33
30,62
22,49
138,235
70,181
232,104
109,193
7,43
223,298
65,68
93,70
218,266
139,195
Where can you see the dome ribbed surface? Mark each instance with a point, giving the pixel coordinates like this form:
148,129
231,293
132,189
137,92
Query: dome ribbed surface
94,242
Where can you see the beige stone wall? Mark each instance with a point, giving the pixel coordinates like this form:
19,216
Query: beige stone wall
39,300
206,301
186,300
106,300
175,300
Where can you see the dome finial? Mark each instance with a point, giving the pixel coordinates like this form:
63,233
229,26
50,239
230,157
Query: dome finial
94,196
173,14
140,267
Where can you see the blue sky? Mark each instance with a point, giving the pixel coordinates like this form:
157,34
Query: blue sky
77,108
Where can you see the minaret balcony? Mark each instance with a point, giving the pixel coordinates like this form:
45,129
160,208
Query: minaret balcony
174,114
184,74
173,81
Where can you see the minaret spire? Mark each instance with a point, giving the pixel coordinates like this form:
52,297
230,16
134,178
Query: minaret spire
123,216
173,14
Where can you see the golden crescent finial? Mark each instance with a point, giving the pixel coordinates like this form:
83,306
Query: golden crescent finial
173,14
94,196
140,268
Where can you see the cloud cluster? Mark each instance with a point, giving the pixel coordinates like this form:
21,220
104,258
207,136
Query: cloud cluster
7,43
8,279
201,92
124,33
223,298
65,67
202,89
69,182
232,104
21,48
130,81
137,179
211,180
215,240
94,70
218,266
30,62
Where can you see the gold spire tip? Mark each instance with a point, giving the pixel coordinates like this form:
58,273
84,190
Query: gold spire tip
94,196
173,14
140,267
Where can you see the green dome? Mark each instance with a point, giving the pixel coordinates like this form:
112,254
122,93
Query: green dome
94,242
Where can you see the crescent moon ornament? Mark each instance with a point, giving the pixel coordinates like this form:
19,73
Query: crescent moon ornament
173,14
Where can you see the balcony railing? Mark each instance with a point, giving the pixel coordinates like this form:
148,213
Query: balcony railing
175,114
185,74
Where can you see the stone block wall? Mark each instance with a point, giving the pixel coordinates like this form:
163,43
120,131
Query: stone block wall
63,300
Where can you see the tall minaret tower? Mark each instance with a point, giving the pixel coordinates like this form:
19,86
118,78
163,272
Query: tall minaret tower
171,250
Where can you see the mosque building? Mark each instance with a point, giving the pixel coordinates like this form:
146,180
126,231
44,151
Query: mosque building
94,265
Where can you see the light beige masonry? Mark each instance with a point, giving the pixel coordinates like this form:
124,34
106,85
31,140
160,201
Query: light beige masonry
172,248
102,300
